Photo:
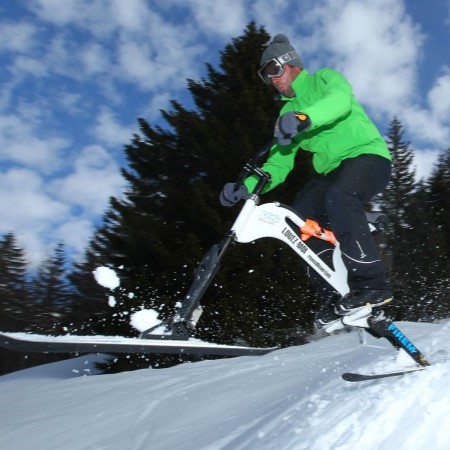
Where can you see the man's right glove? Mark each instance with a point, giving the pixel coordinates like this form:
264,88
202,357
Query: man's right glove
232,193
289,125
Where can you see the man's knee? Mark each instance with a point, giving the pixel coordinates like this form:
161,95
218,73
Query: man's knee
342,208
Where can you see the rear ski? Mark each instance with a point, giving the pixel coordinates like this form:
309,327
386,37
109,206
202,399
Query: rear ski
117,344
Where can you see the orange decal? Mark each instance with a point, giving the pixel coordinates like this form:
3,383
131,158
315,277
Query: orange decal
312,228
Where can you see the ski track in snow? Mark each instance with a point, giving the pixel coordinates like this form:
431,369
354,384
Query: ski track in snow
291,399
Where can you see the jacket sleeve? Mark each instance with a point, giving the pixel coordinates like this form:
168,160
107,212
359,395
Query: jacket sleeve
336,102
279,164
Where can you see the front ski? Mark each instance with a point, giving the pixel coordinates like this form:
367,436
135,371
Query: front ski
117,344
354,377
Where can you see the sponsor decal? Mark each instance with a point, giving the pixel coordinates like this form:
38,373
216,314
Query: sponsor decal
268,217
290,235
406,343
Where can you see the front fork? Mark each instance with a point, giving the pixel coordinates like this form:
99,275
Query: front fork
191,310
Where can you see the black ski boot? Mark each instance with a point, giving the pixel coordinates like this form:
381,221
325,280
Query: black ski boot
359,298
326,315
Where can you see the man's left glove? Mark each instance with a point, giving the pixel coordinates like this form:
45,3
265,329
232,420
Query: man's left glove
289,125
232,193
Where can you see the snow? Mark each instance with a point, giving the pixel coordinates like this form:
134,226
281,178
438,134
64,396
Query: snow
112,301
106,277
144,319
141,320
290,399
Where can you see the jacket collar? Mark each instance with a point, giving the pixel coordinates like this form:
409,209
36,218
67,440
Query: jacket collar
297,84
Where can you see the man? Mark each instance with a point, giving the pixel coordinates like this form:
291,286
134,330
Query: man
320,115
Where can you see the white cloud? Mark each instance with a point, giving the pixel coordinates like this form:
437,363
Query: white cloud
75,233
17,36
114,41
61,13
21,143
110,131
157,103
25,66
424,161
71,102
439,97
23,197
95,59
431,123
94,179
53,54
219,17
135,65
28,211
130,15
65,209
97,17
419,123
161,60
375,44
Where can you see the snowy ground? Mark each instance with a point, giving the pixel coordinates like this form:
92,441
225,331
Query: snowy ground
290,399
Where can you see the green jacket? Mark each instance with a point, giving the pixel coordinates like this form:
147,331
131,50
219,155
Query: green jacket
339,128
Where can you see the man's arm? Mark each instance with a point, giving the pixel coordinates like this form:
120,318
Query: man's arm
336,102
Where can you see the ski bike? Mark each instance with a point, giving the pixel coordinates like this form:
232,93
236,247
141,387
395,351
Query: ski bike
278,221
254,221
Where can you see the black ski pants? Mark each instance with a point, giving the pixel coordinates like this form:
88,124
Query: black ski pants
336,201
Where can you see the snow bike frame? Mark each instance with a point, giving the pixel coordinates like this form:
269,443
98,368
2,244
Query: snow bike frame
272,220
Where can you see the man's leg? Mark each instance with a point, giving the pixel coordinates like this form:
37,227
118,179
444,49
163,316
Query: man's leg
310,204
354,183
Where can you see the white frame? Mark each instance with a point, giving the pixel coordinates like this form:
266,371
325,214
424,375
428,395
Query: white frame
269,220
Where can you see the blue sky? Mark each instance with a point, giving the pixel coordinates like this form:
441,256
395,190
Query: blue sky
76,74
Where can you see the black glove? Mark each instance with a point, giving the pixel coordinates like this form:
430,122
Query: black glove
289,125
232,193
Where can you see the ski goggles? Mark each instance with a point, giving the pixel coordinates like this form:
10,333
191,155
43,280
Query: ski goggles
274,68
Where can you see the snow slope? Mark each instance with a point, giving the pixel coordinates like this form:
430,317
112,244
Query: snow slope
290,399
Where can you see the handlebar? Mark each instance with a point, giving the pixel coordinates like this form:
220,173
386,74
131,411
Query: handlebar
251,168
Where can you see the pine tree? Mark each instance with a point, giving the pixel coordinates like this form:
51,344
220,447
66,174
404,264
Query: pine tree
417,242
397,198
18,305
439,185
398,203
90,312
53,293
14,298
438,236
15,303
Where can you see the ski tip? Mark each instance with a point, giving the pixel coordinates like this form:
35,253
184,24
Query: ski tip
349,376
353,376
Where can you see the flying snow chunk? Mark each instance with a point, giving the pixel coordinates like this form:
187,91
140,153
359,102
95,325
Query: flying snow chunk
144,319
106,277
